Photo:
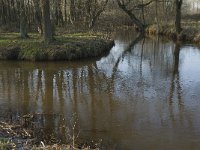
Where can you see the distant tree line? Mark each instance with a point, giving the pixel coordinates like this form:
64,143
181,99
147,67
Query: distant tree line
61,11
46,14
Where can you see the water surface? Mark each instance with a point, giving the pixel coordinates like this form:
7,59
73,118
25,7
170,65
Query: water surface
143,95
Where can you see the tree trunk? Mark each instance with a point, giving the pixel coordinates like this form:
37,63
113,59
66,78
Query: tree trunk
3,13
23,21
38,16
178,16
156,18
72,11
59,14
132,16
136,21
47,27
65,11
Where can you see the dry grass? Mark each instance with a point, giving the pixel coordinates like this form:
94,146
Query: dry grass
190,32
17,135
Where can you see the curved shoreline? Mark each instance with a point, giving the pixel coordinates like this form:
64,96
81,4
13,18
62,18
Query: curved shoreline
72,47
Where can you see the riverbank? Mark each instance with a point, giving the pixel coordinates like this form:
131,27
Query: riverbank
21,134
190,32
66,47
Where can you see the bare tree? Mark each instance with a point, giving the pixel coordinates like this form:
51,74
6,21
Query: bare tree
130,6
23,21
72,11
38,15
47,27
94,9
178,15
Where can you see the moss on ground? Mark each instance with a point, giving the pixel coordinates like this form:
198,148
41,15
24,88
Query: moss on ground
65,47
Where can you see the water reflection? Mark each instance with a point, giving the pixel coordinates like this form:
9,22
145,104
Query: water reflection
138,97
175,76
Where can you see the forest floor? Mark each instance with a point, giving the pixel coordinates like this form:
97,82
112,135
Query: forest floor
71,46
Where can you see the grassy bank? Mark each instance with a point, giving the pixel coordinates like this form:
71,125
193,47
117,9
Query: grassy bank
190,32
65,47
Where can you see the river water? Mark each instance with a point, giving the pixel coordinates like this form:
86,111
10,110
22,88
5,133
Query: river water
145,94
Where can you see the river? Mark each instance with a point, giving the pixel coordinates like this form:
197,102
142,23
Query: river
142,95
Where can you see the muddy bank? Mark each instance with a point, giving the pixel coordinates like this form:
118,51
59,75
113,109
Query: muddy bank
23,133
188,34
65,47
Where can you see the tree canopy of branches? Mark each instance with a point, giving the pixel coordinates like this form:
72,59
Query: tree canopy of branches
42,16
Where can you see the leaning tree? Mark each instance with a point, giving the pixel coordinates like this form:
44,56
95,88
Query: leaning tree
133,7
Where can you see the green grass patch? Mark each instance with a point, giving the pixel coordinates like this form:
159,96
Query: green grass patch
65,47
5,144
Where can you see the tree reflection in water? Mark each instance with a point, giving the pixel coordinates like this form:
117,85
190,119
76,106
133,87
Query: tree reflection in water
120,98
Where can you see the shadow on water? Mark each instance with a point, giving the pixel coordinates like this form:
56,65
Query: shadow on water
175,87
175,76
140,96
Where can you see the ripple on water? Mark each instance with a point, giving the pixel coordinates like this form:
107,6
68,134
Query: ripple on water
145,90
